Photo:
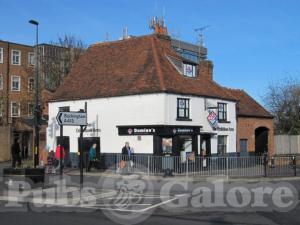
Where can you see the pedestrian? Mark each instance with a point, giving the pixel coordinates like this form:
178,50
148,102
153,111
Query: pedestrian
60,152
127,155
15,152
91,156
50,163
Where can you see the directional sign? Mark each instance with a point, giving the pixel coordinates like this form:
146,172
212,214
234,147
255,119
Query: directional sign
72,118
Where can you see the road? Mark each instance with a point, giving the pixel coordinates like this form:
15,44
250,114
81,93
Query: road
163,201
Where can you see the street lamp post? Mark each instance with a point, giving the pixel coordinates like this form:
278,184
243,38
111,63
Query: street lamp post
37,106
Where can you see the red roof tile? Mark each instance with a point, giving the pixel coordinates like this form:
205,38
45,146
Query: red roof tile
247,106
137,65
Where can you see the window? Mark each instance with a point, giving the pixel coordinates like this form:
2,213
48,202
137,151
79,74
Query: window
222,145
183,108
16,57
1,82
15,83
1,108
189,70
15,109
30,109
30,84
1,55
31,59
222,112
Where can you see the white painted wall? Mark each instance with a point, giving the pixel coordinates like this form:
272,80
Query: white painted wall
198,114
106,114
150,109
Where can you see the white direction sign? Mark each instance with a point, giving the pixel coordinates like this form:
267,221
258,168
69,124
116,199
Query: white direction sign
72,118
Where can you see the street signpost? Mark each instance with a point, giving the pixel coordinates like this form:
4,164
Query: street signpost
74,119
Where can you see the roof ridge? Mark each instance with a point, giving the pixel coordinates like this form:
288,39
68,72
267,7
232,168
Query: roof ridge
157,64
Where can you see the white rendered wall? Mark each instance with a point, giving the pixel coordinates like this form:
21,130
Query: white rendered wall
150,109
106,114
198,114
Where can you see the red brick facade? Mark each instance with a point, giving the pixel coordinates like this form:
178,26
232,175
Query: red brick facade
246,127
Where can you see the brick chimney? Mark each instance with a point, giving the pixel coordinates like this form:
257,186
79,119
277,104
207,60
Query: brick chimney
205,69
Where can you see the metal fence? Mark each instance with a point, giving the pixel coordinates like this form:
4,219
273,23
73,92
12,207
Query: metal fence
233,166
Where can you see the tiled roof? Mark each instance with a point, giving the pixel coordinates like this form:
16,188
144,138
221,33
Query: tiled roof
138,65
247,106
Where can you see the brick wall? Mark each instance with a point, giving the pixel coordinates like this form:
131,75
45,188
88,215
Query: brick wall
5,143
246,130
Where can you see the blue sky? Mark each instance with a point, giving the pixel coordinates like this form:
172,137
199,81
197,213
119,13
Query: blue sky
252,42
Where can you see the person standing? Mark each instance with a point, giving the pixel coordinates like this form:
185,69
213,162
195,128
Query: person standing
60,152
127,153
15,152
91,156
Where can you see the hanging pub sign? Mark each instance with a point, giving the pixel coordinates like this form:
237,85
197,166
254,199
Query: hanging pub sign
213,119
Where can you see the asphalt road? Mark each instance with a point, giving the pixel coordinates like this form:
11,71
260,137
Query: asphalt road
173,206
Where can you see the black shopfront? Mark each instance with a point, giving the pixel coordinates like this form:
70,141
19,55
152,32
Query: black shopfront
167,139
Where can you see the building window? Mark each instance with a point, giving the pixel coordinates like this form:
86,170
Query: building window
183,108
15,83
222,112
1,55
1,82
30,109
15,109
31,60
30,84
189,70
16,57
1,108
222,145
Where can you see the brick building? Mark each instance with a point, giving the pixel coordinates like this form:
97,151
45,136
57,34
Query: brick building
152,90
17,91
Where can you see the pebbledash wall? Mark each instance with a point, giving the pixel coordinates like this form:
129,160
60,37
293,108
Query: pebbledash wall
105,114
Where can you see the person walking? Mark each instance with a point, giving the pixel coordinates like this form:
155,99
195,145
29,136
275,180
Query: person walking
15,152
127,155
91,156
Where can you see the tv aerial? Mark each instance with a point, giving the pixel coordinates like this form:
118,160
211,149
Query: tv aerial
200,30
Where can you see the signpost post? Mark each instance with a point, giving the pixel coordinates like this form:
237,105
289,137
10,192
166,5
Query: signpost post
74,119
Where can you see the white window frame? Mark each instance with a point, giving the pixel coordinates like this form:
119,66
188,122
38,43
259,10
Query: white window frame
12,57
1,108
12,81
1,82
30,115
1,55
185,65
29,78
29,59
11,109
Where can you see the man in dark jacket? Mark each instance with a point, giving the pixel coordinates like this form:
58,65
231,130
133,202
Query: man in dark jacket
127,152
15,153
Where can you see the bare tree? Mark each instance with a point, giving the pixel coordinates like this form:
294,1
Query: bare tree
283,100
58,57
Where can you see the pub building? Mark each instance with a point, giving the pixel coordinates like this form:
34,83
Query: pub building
155,92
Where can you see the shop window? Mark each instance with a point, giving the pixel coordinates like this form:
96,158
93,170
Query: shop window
222,112
222,145
15,83
185,146
167,146
183,109
16,57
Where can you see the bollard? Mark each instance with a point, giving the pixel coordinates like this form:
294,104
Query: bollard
294,165
265,163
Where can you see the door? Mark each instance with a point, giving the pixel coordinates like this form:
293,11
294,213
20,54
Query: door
243,147
87,144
